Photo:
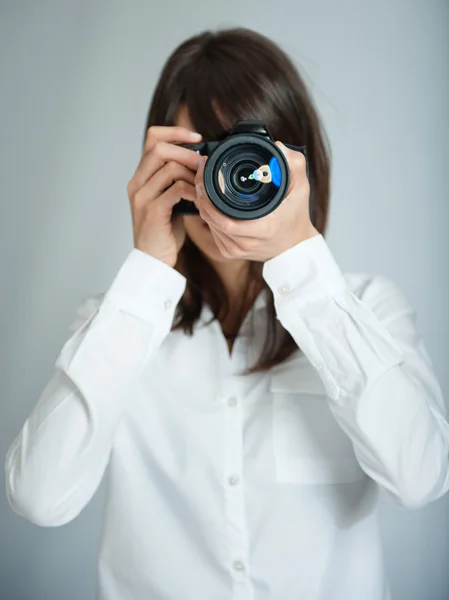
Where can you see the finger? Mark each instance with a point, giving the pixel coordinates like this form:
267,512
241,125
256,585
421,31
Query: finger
283,148
294,158
162,153
227,241
219,240
229,247
176,134
297,165
199,179
161,180
180,190
232,228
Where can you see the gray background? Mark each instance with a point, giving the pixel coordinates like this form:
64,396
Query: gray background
76,82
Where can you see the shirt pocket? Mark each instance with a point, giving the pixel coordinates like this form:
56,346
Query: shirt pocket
309,445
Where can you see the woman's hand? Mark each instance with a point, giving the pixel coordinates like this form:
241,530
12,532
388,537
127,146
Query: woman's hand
265,238
165,174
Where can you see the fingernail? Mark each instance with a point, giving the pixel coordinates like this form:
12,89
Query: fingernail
199,190
195,136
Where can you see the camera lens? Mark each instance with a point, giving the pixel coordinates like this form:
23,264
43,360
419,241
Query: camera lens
247,176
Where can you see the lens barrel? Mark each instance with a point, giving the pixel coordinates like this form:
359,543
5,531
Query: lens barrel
246,176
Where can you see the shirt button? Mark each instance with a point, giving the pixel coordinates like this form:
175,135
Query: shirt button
233,479
284,289
168,304
238,565
232,401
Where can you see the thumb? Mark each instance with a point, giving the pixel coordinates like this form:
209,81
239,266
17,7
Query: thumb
286,151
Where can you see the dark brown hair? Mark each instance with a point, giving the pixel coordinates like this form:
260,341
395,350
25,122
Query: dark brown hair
222,77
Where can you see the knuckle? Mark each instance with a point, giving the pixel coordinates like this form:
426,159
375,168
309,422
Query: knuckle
130,188
158,149
183,186
179,187
150,138
150,133
227,227
172,167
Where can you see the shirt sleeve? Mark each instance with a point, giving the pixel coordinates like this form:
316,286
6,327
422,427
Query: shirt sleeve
56,463
378,376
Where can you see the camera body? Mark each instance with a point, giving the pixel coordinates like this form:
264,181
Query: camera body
246,175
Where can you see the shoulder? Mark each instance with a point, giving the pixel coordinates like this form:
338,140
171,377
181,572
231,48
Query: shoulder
85,310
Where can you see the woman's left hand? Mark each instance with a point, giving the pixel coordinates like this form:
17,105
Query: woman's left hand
267,237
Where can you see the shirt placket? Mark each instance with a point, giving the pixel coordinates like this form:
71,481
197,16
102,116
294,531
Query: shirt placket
233,472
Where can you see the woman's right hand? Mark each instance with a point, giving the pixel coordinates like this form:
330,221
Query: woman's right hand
165,174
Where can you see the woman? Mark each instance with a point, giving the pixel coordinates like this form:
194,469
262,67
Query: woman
248,400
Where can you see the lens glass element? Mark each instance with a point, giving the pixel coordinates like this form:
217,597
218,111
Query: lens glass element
248,174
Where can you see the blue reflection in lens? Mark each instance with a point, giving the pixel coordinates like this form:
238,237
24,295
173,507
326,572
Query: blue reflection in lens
275,171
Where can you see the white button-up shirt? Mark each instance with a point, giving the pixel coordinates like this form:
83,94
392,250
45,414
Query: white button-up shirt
223,487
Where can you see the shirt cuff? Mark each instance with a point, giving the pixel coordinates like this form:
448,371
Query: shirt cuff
146,287
306,274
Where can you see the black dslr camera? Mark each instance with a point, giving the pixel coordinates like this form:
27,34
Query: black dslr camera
246,175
